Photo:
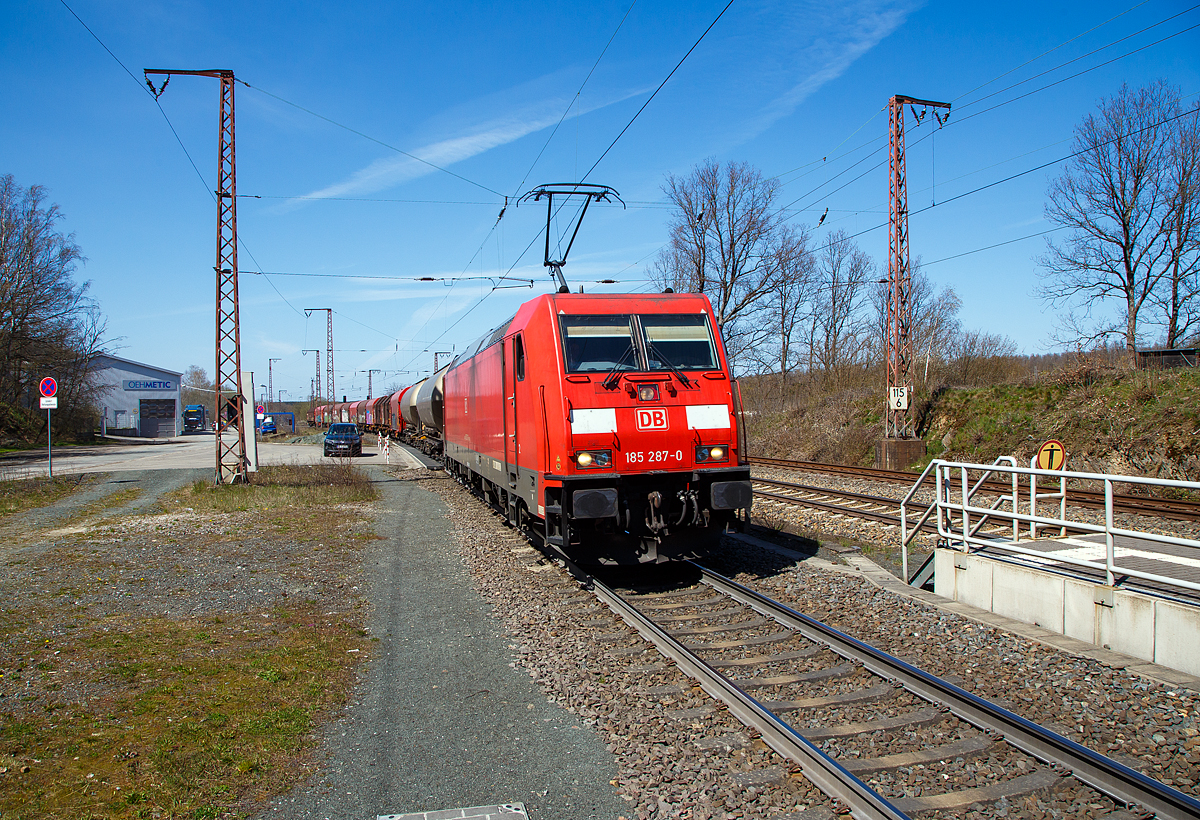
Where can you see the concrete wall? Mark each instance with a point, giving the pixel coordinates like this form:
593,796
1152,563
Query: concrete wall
1155,630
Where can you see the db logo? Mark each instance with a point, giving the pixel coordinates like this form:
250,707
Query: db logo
655,419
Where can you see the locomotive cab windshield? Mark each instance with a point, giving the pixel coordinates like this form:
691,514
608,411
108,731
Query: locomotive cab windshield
638,343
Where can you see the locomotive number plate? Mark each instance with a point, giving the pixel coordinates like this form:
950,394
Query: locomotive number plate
654,457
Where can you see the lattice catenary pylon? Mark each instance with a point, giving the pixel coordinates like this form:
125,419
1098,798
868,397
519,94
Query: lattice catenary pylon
898,422
231,454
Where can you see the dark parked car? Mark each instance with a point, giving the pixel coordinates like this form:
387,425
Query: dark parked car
343,440
268,425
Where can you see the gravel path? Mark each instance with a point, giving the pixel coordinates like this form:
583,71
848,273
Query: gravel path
441,719
151,484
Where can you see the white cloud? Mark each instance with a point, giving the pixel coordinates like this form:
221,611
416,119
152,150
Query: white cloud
527,118
828,38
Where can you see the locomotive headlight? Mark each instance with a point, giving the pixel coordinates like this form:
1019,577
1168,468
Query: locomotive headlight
648,392
706,452
594,459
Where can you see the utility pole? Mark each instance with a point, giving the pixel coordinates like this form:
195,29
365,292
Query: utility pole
332,394
231,456
369,372
437,353
898,423
316,393
270,382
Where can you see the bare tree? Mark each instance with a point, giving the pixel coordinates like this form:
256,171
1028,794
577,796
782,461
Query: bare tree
791,306
722,243
935,323
198,388
842,273
1178,296
48,325
1112,198
978,358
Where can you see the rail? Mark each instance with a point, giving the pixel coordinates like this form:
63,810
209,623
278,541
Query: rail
1180,509
954,509
1098,771
823,771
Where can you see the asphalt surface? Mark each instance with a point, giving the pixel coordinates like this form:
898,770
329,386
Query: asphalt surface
196,451
441,720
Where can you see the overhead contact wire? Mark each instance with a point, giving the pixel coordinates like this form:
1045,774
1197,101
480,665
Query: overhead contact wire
355,131
660,87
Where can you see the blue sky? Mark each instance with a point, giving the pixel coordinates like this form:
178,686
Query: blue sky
478,89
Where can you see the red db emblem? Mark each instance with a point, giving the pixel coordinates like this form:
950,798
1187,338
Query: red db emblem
651,419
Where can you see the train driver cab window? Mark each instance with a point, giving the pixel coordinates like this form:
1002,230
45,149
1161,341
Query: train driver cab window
598,344
683,341
519,358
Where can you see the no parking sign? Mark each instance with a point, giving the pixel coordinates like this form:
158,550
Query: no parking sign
49,402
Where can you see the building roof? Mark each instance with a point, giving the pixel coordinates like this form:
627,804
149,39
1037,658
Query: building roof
140,364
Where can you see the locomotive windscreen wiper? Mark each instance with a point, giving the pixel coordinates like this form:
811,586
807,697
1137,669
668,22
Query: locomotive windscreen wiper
652,348
614,375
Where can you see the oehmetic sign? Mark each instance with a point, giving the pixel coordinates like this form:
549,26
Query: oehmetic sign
140,384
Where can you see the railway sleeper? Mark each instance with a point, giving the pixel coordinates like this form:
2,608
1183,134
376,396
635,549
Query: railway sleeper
968,748
842,670
873,693
948,801
718,628
917,717
700,616
756,641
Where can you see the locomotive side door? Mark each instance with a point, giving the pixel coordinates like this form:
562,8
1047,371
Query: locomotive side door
514,372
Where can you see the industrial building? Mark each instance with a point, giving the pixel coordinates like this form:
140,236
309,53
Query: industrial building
138,399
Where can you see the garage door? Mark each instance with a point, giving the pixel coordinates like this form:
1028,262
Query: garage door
158,417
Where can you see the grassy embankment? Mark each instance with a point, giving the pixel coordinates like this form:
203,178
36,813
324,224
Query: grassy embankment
123,715
1111,420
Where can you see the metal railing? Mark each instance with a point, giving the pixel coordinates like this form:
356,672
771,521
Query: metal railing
907,535
960,519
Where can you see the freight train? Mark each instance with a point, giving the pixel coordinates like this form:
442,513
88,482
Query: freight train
609,426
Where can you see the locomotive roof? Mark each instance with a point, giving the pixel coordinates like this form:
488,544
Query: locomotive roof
576,303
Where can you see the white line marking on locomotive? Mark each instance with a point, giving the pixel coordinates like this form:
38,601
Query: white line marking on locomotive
593,420
708,416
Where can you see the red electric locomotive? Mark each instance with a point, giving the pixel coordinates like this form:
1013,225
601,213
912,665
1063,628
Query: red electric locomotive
610,423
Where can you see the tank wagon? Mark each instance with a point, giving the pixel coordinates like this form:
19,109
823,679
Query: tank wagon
608,425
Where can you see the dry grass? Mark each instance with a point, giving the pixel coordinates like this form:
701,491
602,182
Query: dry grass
292,492
192,719
176,665
19,495
116,499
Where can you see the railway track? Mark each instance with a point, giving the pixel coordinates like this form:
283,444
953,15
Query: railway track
876,508
851,716
1176,509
